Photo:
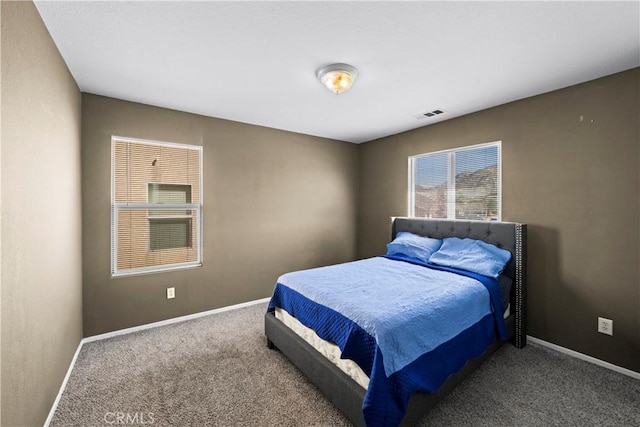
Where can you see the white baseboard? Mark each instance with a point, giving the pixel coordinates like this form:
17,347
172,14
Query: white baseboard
135,329
173,320
63,386
581,356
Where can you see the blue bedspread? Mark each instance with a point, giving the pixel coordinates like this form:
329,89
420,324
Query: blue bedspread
381,313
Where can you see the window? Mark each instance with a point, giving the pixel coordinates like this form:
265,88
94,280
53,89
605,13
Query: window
156,201
170,229
464,183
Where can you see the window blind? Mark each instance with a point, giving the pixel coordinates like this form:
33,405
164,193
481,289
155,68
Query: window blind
464,183
156,206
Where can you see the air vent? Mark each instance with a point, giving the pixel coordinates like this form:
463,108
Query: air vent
430,114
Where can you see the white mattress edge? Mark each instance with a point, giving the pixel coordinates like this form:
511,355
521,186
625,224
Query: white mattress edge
330,350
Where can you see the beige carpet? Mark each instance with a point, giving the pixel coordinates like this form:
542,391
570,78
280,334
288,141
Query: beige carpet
217,371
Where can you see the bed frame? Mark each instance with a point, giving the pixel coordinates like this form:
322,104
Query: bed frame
345,393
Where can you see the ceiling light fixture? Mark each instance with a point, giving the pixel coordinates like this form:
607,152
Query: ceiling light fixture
337,78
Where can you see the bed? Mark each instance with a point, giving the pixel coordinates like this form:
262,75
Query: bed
351,393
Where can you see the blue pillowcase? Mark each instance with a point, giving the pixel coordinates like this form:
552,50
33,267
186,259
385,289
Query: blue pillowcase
413,246
472,255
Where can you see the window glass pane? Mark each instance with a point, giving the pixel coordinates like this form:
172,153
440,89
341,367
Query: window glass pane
430,186
457,184
136,165
169,233
476,186
146,241
169,194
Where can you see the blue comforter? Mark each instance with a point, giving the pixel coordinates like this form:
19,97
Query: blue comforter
408,326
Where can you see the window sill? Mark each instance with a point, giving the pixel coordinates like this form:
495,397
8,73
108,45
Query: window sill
154,270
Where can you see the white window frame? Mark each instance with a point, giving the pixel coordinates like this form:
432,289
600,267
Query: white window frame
115,207
451,178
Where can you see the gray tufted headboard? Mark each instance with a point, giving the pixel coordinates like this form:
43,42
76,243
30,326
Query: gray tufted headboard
507,235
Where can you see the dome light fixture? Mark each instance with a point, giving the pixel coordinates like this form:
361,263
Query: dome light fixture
337,78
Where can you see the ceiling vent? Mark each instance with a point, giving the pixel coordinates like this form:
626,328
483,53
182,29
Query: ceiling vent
430,114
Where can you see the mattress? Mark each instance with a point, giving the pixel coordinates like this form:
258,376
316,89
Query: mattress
330,350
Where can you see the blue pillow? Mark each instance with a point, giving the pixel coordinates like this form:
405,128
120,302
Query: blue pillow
472,255
413,246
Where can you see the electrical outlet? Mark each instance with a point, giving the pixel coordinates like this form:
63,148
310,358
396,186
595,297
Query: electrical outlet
605,326
171,293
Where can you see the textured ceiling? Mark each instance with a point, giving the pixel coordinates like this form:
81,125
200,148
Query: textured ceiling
255,62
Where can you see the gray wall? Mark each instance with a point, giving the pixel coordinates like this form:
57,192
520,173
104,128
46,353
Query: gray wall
274,201
41,235
574,181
